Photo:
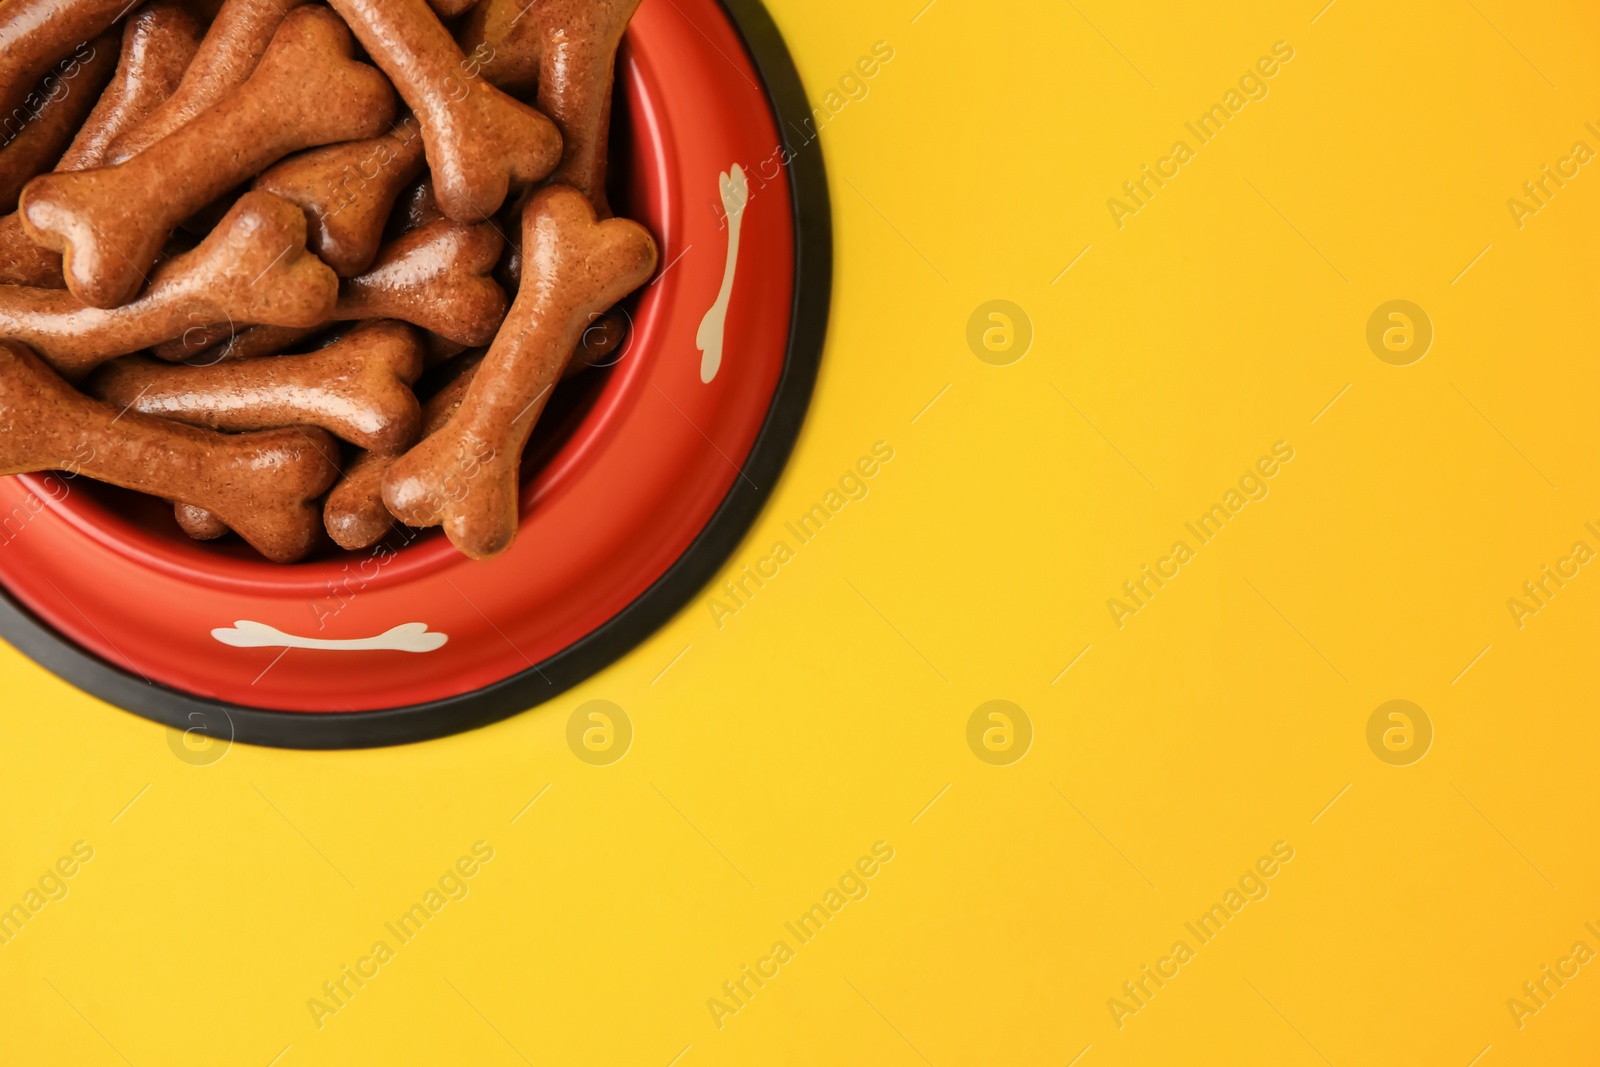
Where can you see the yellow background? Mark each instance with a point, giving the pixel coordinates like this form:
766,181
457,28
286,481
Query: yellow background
833,709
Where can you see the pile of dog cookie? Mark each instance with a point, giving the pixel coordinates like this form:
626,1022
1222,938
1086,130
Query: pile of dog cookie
242,232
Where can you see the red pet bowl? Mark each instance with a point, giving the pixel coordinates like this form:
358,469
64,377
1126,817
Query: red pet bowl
640,481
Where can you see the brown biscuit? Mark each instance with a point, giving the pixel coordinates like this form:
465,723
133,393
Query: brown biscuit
480,142
253,268
577,66
355,514
110,223
577,267
449,295
437,278
34,34
198,523
35,134
204,346
569,49
264,485
509,34
227,57
348,190
24,263
603,336
357,388
157,44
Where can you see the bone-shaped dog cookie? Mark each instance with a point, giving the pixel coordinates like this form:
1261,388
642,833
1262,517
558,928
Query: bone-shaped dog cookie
228,55
577,65
348,190
24,263
576,267
429,291
253,268
201,525
357,388
263,485
603,336
509,34
480,142
110,223
436,277
220,343
215,344
157,44
355,514
203,347
198,524
206,346
569,49
417,208
51,116
36,33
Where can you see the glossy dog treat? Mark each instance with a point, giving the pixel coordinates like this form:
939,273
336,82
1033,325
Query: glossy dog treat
568,49
508,35
159,42
253,268
348,191
110,223
205,346
227,56
34,34
358,388
157,45
437,278
209,345
577,266
480,142
356,515
577,66
603,336
264,485
51,116
198,523
223,341
24,263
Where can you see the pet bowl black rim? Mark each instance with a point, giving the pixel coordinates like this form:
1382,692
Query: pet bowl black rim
621,633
